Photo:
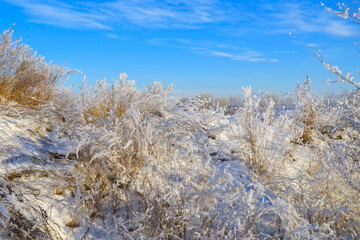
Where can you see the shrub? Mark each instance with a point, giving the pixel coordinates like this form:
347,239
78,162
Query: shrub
306,114
264,141
114,100
211,102
25,77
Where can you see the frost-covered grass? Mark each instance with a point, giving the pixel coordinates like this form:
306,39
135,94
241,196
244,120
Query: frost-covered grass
25,77
118,162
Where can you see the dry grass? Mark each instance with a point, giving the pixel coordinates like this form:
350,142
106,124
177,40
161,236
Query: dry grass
25,173
265,151
106,99
114,100
26,78
73,223
210,102
307,109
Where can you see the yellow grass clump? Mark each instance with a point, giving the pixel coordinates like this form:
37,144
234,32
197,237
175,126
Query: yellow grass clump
25,77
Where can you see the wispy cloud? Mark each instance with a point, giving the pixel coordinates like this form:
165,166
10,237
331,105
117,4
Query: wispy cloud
305,17
193,44
213,48
169,41
119,14
60,14
246,56
164,14
312,45
271,16
111,35
287,52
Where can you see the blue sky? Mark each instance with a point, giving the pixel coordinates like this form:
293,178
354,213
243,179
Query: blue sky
197,45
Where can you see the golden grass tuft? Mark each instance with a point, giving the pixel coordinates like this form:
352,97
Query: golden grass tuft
94,113
26,78
73,223
308,117
26,173
58,191
103,100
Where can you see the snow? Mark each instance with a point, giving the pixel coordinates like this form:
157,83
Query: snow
185,172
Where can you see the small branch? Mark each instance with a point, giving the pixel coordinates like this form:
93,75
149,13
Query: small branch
348,78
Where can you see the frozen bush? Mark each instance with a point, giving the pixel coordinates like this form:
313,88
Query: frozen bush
25,77
108,100
265,138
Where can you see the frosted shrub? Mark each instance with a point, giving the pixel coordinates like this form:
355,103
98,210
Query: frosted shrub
335,180
133,158
324,115
324,193
25,77
306,112
144,175
342,162
265,140
108,100
211,102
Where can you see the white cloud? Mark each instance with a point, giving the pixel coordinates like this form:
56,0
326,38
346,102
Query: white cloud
212,48
246,56
312,45
111,35
305,17
120,13
60,14
275,16
165,14
193,44
175,42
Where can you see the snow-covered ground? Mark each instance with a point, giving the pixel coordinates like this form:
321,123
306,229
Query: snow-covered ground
169,169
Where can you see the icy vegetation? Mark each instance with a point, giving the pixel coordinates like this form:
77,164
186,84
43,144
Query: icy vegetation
117,162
